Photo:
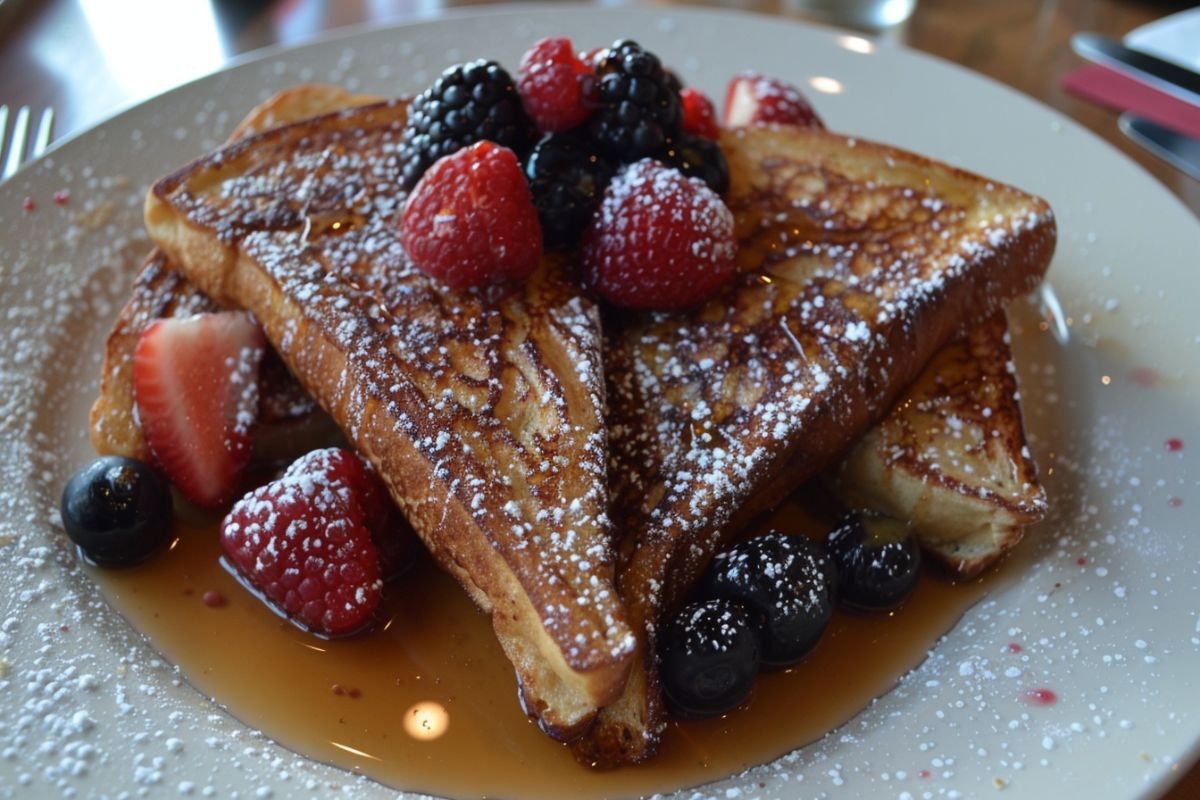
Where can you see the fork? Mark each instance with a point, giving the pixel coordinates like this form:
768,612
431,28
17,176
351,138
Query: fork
20,132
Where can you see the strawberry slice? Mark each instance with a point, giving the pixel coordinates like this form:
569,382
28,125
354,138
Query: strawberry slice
754,99
699,116
195,389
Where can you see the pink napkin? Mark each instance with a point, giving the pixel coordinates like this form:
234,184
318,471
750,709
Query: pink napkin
1111,88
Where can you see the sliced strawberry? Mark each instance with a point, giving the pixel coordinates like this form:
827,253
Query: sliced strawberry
753,99
195,389
356,482
699,116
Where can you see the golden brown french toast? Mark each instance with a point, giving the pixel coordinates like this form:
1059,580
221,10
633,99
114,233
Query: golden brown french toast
481,410
858,262
161,291
951,457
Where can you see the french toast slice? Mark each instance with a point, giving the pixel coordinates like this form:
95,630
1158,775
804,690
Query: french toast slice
287,416
482,411
859,261
951,456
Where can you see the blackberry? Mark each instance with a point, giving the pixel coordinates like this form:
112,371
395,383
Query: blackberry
466,104
567,176
698,157
637,103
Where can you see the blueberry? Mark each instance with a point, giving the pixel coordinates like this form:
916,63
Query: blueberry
788,581
877,560
709,658
118,510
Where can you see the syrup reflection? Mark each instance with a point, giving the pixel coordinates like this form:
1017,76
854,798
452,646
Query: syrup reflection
426,721
354,750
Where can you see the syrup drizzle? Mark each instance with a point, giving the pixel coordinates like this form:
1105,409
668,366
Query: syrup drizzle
427,701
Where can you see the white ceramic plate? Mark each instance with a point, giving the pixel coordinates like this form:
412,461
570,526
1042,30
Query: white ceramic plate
85,705
1174,38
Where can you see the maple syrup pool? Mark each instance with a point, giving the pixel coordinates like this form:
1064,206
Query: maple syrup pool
427,702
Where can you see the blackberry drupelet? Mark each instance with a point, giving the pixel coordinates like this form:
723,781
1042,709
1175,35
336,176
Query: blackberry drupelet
466,104
567,176
637,103
698,157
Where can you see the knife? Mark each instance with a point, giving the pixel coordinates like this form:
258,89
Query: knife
1162,75
1177,149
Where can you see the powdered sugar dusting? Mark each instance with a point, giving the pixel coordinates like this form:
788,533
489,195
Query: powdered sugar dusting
465,377
812,331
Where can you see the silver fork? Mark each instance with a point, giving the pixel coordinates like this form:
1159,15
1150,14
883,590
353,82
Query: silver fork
20,132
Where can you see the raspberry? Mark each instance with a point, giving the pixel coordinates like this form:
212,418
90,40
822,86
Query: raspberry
638,108
699,115
567,177
302,542
471,219
349,474
753,99
659,241
466,104
553,84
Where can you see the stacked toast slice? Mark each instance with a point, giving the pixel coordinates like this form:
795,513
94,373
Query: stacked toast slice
482,411
859,262
160,290
951,457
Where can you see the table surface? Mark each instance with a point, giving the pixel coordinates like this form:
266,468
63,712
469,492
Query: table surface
67,54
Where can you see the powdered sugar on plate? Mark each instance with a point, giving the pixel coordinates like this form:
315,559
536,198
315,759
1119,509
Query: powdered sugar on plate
91,709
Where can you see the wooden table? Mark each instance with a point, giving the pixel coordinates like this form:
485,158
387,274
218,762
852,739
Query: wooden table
52,53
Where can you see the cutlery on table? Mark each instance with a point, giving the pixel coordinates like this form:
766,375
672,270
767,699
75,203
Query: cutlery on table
20,132
1177,149
1165,76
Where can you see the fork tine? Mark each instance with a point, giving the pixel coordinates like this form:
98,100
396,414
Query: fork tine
44,132
3,126
16,148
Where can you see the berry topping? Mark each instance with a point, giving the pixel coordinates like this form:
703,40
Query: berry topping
699,115
466,104
471,219
697,157
354,478
591,58
787,580
638,107
709,659
117,510
302,542
877,560
753,99
659,240
567,177
195,389
553,84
